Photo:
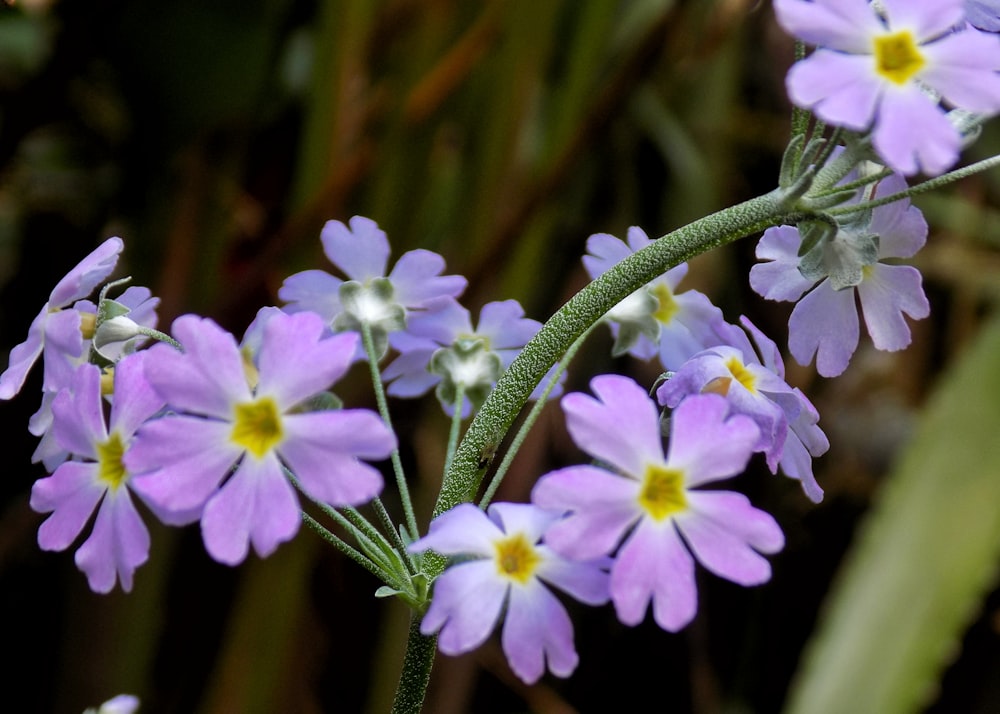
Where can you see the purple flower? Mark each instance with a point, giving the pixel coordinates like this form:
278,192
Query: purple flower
751,376
984,14
848,268
873,69
642,504
138,308
58,329
119,541
654,320
441,348
222,455
506,572
369,296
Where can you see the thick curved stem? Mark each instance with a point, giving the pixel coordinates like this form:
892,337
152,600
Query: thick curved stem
584,309
417,663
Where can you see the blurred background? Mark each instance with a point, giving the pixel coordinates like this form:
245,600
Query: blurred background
217,137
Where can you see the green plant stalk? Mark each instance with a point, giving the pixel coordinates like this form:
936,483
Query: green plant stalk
548,346
456,426
397,464
583,310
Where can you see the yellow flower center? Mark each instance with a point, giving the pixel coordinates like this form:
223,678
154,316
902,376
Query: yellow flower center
897,57
666,306
516,558
662,492
257,426
741,374
110,469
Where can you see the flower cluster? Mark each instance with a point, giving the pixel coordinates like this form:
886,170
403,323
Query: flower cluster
232,434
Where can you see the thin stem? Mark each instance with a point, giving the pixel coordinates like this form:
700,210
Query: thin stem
529,421
928,185
456,425
548,346
397,464
352,553
417,663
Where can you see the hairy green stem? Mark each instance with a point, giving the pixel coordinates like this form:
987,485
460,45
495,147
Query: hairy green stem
416,674
492,421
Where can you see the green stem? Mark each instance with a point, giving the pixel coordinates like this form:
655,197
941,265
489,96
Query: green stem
928,185
352,553
456,425
417,663
397,464
515,385
529,421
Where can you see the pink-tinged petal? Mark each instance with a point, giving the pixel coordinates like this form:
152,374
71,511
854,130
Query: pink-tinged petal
70,494
361,251
78,414
841,89
117,546
796,463
603,252
314,290
913,134
705,444
888,292
505,325
779,279
620,427
186,459
207,378
654,565
134,401
900,226
723,530
925,18
464,529
64,349
295,363
88,274
824,323
766,347
962,66
525,518
408,376
417,280
637,240
537,629
323,450
257,505
24,356
845,25
586,581
600,506
466,605
438,326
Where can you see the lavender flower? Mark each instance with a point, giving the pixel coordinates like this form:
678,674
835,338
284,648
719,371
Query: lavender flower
119,542
984,14
751,376
369,296
886,70
58,329
222,456
654,320
506,573
642,504
441,348
847,268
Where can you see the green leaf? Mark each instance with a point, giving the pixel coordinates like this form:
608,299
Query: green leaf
924,558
